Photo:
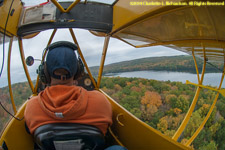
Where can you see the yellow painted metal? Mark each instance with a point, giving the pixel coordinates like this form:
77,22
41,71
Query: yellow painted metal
13,20
210,110
82,57
135,134
49,42
191,109
125,12
43,57
124,122
15,135
152,27
62,9
72,5
9,77
36,85
24,64
58,6
181,42
222,92
203,123
210,51
106,43
114,136
30,35
124,41
208,54
196,66
144,136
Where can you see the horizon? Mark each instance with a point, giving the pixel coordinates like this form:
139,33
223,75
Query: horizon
33,75
90,45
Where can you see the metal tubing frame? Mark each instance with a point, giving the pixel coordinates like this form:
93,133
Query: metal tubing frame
106,43
9,76
209,112
82,57
124,41
115,137
180,42
191,109
72,5
196,66
58,6
24,64
62,9
207,116
43,57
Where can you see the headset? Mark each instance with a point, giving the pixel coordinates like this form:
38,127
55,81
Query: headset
42,69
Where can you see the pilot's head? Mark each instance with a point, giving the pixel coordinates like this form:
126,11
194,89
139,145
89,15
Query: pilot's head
62,62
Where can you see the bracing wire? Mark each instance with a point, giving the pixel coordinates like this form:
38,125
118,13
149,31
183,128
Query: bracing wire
215,66
3,44
10,113
3,60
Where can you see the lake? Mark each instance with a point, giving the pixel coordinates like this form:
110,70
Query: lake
212,79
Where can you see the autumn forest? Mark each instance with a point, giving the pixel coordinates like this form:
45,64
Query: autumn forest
162,105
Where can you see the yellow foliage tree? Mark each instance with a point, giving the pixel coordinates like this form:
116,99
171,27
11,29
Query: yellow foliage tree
177,111
117,87
151,98
168,97
162,125
150,103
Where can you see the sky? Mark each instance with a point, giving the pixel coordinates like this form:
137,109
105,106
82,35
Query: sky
90,45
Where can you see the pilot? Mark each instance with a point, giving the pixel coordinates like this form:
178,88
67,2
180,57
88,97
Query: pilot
64,102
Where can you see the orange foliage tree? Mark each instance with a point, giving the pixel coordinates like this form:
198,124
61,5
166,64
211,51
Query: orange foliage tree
150,103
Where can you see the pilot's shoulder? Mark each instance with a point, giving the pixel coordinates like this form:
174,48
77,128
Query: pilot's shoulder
96,94
32,100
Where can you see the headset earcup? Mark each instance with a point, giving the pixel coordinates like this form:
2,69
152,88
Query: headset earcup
80,68
47,76
43,73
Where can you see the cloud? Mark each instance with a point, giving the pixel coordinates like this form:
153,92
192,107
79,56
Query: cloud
91,47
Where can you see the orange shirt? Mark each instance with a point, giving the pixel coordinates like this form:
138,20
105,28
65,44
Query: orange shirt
68,104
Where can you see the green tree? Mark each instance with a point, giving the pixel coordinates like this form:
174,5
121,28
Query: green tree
210,146
220,136
162,125
130,102
203,139
221,106
193,124
136,111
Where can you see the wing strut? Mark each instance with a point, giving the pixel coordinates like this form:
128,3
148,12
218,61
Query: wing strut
82,57
24,64
43,57
191,109
106,43
9,76
219,91
62,9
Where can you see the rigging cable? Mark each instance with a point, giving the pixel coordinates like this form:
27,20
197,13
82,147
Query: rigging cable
10,113
215,67
3,43
3,60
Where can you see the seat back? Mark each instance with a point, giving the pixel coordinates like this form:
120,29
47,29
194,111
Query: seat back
69,136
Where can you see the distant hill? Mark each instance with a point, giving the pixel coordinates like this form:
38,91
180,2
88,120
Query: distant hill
21,92
181,63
